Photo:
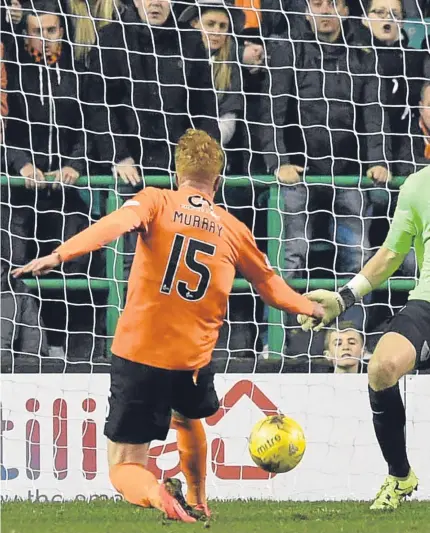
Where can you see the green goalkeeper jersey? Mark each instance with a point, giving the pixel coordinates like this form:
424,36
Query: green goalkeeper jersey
411,225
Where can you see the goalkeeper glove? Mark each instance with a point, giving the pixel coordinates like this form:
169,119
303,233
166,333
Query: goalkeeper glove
334,303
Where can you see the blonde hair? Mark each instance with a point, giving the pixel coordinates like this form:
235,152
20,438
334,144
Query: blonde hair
199,156
345,325
84,18
220,68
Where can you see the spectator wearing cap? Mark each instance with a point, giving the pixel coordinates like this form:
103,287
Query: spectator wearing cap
44,138
400,66
218,23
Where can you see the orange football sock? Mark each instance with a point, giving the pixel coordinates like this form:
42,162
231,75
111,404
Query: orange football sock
192,449
137,485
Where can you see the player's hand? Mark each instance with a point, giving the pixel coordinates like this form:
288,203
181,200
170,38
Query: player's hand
332,305
379,174
318,311
289,174
66,175
126,171
34,177
38,267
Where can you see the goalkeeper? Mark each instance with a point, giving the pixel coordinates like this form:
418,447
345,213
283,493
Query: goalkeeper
187,252
405,345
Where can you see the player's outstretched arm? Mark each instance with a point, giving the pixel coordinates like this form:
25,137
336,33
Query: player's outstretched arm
377,270
106,230
272,288
383,264
275,292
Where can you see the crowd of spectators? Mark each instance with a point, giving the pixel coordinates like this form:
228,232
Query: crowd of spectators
291,88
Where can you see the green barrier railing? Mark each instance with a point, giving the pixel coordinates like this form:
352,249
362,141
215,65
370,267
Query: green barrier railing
114,283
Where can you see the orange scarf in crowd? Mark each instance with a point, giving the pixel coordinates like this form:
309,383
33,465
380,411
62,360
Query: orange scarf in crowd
426,139
39,57
251,8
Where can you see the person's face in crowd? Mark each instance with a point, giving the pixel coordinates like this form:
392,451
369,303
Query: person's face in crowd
154,12
425,108
44,33
324,17
384,20
214,25
345,350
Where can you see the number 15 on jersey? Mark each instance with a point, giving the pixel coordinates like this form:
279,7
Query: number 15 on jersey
192,248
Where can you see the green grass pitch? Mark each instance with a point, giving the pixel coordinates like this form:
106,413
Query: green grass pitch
229,517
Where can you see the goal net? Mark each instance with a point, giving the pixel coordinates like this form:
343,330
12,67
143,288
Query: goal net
92,107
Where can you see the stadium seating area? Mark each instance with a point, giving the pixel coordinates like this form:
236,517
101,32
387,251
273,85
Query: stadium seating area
322,108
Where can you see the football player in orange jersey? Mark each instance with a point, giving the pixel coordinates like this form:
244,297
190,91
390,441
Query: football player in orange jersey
186,258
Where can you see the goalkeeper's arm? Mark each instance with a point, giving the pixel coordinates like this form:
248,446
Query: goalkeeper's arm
377,270
382,265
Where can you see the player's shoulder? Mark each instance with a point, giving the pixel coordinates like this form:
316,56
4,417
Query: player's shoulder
422,175
149,192
417,183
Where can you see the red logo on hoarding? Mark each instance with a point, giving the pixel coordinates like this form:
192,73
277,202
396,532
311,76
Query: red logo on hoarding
62,440
233,396
220,469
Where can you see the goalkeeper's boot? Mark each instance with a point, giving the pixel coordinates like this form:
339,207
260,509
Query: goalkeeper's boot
393,491
174,504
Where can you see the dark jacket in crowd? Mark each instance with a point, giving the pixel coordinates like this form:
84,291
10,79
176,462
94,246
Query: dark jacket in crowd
410,156
144,79
45,123
401,67
318,90
22,330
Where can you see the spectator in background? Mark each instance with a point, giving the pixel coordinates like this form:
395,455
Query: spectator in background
85,18
15,13
272,17
44,137
399,66
218,25
22,330
344,347
145,87
331,77
415,149
417,8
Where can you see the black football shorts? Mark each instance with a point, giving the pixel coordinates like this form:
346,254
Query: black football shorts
413,322
142,398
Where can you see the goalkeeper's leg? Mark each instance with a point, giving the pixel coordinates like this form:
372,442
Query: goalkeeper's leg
393,358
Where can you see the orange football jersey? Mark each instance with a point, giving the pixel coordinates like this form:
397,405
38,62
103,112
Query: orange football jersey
187,254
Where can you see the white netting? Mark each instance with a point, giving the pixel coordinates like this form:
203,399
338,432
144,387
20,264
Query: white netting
323,99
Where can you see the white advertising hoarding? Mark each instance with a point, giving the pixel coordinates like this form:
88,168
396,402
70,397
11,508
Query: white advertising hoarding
52,443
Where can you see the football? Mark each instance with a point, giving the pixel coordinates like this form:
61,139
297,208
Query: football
277,444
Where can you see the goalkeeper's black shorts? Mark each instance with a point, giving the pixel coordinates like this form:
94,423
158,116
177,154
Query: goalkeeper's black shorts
142,398
413,322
